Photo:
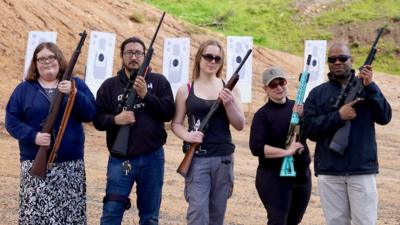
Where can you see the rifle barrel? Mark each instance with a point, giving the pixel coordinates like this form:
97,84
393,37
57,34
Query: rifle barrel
39,165
184,166
121,142
350,92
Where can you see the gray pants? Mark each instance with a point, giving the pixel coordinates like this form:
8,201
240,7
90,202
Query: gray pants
208,185
349,199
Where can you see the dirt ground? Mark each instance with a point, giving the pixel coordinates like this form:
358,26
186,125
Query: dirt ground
243,208
68,18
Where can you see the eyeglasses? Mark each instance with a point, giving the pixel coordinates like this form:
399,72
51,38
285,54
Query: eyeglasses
46,59
130,53
210,58
281,82
342,58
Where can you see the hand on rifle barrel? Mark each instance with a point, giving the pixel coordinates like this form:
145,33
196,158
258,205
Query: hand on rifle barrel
347,111
65,87
298,108
295,147
226,97
43,139
194,137
366,74
140,86
125,118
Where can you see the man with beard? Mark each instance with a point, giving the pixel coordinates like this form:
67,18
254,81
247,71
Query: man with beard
144,163
346,183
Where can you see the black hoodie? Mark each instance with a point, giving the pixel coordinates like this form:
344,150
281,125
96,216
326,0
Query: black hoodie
147,134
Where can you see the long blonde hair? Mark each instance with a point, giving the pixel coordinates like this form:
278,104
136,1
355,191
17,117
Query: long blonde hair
202,47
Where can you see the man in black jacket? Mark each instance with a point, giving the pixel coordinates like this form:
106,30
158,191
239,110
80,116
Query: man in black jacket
144,163
346,183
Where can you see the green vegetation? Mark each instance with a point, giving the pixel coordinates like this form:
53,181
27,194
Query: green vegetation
281,25
137,17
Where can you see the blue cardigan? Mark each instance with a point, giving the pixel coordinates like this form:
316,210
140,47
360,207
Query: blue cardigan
27,110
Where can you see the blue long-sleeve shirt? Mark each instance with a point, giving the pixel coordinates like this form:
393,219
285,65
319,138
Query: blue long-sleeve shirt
28,108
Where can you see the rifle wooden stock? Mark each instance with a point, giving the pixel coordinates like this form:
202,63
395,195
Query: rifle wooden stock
187,160
121,142
39,165
350,92
63,126
184,166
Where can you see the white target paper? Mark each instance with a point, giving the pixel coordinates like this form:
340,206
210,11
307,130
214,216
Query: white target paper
237,47
100,59
34,39
176,61
317,49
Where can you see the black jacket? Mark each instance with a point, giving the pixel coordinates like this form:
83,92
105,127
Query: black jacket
148,132
321,121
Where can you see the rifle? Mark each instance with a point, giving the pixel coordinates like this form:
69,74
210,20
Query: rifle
187,160
287,168
63,125
120,146
350,92
39,165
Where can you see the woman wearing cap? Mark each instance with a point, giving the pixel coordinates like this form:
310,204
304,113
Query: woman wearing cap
284,198
209,182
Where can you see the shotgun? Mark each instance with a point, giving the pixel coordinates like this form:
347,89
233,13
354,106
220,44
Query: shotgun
187,160
39,164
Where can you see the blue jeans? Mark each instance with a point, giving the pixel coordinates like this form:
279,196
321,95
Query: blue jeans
148,172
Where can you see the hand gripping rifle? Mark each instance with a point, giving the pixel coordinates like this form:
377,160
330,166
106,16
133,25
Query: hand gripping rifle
350,92
40,164
187,160
287,169
120,146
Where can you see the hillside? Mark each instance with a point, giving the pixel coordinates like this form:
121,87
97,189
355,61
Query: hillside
352,21
69,17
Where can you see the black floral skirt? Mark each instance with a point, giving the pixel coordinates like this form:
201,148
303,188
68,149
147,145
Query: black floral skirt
59,199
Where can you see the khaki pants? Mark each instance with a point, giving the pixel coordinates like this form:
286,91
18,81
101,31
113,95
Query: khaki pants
349,199
208,186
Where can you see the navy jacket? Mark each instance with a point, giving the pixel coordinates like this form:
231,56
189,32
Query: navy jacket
321,121
27,110
147,134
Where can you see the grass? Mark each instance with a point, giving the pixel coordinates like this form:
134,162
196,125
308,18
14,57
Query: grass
279,24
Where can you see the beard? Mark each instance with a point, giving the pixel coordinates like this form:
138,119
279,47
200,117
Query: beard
132,65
